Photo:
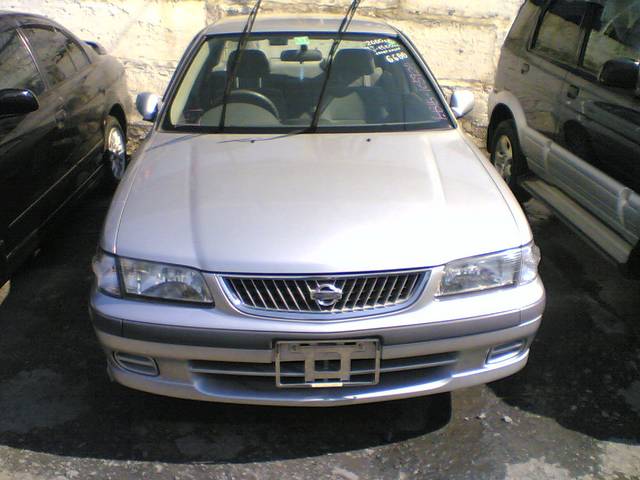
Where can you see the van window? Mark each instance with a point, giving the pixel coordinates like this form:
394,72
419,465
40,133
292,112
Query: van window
559,34
527,16
615,34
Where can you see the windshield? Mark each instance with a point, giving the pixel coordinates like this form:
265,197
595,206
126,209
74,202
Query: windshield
375,85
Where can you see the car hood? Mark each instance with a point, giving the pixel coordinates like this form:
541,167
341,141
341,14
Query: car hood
312,203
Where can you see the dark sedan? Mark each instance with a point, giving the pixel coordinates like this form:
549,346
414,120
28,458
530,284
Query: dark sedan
63,120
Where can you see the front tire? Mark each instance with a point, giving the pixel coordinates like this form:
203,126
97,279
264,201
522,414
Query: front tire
507,157
115,151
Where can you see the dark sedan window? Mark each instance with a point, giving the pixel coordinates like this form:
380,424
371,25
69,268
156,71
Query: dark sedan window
50,46
559,34
17,69
78,56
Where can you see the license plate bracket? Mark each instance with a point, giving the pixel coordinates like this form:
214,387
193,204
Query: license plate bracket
327,364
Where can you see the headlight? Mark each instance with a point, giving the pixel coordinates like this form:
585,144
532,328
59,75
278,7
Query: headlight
166,282
513,267
106,272
151,280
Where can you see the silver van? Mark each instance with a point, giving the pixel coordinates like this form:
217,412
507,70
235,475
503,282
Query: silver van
565,117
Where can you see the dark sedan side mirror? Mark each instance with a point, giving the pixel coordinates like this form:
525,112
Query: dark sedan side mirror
621,73
17,102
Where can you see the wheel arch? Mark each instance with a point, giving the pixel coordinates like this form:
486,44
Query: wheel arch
117,112
500,113
502,104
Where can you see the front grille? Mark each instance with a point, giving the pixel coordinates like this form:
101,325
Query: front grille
296,369
353,294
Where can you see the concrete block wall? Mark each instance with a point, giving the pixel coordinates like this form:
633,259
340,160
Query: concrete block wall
460,39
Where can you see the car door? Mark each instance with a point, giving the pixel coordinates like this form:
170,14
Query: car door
601,124
553,48
85,107
25,144
50,48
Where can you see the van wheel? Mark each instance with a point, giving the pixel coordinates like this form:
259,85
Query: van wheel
115,151
508,158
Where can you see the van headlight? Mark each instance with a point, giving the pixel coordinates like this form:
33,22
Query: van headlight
150,280
509,268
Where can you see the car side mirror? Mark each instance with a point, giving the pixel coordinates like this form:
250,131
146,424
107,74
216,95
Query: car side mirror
17,102
621,73
462,102
147,104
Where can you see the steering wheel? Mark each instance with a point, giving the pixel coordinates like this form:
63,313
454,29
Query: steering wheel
254,98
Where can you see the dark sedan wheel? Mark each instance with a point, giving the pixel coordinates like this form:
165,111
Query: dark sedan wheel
507,157
115,151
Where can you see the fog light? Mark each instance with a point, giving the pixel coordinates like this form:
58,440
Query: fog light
506,351
136,363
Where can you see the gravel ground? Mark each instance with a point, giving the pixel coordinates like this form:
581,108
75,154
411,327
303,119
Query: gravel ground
574,412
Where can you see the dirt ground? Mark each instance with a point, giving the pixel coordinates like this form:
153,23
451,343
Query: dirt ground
574,412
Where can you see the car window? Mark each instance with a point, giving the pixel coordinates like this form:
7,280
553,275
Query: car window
78,57
615,34
522,25
17,68
50,46
559,34
375,84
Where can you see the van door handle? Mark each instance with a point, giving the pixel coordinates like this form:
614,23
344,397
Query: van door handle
61,117
573,91
525,68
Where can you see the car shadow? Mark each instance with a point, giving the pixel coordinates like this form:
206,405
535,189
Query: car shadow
55,396
584,368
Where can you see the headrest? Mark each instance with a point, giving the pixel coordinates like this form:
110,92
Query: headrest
353,63
253,64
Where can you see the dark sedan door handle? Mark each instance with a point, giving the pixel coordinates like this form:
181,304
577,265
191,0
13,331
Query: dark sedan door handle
61,117
525,68
573,91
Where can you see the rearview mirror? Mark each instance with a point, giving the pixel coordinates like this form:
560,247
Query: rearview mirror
302,55
147,104
462,103
17,102
621,73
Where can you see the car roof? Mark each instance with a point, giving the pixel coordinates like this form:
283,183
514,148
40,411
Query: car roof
299,23
15,18
15,13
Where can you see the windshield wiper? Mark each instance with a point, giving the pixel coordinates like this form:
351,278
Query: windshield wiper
346,21
231,76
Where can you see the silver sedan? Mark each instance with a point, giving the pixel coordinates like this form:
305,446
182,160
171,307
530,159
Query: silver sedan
307,225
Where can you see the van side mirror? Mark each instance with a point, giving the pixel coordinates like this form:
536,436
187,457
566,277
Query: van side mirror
148,104
621,73
462,103
17,102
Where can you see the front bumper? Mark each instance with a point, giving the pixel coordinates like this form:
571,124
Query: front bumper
222,355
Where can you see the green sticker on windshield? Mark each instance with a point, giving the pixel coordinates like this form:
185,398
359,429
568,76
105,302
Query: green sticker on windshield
301,40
